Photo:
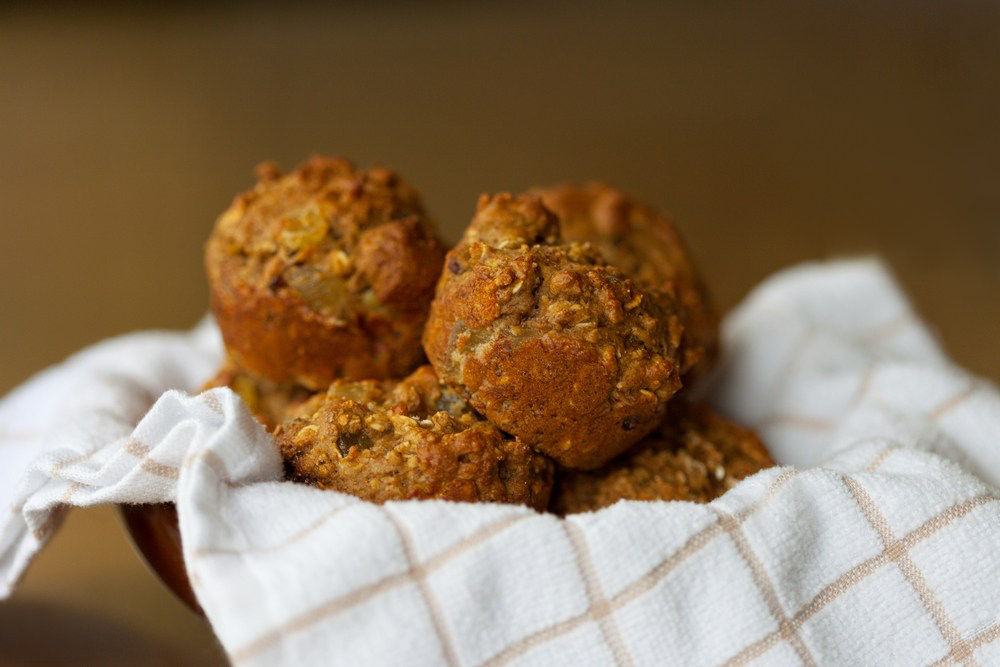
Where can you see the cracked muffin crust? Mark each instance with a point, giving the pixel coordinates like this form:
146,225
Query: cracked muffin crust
323,273
694,455
547,340
416,438
648,248
267,401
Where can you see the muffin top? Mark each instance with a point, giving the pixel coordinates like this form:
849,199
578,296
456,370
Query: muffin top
547,339
415,438
346,240
694,455
646,246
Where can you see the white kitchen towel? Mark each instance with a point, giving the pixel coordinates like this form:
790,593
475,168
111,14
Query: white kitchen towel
877,542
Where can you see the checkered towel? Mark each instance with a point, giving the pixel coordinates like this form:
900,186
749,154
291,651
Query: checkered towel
878,542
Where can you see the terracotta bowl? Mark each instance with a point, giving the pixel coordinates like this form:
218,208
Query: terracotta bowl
156,536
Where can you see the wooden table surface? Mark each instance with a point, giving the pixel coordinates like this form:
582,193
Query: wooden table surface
775,133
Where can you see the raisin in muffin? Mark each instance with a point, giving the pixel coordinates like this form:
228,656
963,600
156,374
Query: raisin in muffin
323,273
694,455
416,438
547,340
647,247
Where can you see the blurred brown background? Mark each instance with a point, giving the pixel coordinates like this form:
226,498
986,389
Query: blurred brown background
774,132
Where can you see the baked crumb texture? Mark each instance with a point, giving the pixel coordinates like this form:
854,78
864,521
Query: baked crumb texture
694,455
645,245
326,272
561,328
548,340
416,438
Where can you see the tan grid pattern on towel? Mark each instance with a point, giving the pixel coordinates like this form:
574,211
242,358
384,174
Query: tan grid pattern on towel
601,610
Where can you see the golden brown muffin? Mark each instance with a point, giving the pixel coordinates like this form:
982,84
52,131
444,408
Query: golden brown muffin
323,273
647,247
694,455
547,340
267,401
415,438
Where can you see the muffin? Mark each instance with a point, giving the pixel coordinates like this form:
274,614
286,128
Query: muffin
694,455
268,401
323,273
416,438
647,247
547,340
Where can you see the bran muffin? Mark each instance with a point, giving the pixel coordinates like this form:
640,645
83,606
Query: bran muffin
647,247
323,273
547,340
695,455
416,438
267,401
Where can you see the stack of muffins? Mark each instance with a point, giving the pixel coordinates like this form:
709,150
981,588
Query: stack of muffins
560,333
